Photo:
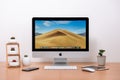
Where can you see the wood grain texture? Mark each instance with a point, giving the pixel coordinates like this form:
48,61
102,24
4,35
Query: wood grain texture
17,74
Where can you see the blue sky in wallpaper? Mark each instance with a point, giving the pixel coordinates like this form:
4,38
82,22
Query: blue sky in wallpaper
75,26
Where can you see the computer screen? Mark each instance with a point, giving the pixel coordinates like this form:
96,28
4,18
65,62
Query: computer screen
60,34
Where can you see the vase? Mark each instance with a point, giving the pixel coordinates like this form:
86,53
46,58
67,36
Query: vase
101,60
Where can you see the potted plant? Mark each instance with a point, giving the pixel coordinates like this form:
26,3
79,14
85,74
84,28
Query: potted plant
26,60
101,58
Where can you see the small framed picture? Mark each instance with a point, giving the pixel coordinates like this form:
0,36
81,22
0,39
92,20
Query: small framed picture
12,49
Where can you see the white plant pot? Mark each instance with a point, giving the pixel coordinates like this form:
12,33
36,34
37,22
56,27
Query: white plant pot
101,60
26,61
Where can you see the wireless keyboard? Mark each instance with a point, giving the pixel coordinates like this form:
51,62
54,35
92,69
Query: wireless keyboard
60,67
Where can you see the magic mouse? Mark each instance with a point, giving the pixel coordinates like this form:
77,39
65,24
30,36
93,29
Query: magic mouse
88,69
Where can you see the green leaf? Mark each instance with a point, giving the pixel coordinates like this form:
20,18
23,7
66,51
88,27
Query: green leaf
101,51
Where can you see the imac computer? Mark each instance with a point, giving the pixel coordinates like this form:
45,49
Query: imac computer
59,37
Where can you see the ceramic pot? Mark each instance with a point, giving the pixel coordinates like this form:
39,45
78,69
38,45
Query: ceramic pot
101,60
26,61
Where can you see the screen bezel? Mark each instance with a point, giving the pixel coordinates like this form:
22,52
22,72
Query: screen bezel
60,18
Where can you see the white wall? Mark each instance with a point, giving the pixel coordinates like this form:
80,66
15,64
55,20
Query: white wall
16,15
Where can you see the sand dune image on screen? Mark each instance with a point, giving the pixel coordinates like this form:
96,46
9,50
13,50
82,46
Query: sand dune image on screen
59,38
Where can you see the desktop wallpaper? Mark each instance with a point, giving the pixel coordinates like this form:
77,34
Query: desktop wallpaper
60,34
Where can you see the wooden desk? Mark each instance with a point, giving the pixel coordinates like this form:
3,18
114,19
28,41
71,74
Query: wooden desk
16,74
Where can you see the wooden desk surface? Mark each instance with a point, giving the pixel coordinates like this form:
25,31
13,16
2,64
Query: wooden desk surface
16,74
